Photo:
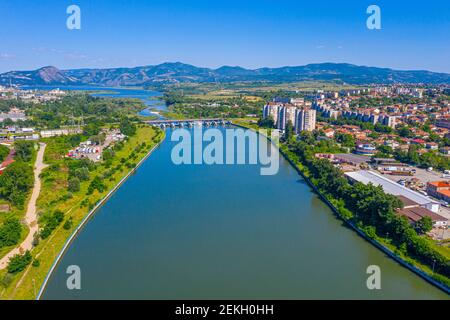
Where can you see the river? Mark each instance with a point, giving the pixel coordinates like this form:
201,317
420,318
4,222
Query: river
148,97
224,232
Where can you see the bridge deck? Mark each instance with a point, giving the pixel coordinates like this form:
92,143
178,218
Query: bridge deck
182,121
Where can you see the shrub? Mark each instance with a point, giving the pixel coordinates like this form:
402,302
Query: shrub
10,232
68,224
7,280
15,182
19,263
74,185
24,150
52,223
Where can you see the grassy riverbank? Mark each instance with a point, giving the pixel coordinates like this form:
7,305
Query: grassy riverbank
75,205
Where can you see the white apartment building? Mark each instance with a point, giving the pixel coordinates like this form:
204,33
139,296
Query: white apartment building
305,120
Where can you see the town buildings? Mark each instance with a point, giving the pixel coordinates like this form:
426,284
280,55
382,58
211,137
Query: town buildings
297,112
439,190
391,187
14,115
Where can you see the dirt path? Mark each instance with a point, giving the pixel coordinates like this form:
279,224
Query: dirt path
31,213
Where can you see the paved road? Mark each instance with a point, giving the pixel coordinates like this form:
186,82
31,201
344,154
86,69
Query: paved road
31,213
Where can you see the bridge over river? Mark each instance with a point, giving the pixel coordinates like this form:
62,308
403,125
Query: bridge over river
163,123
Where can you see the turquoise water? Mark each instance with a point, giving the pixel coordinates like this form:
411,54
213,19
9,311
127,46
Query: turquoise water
224,232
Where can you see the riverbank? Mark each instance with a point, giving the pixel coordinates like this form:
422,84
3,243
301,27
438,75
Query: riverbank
383,247
89,216
27,283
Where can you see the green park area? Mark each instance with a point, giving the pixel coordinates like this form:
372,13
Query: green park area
71,188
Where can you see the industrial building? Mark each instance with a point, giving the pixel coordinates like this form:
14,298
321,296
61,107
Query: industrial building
390,187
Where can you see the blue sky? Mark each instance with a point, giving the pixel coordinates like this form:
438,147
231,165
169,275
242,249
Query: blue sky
414,34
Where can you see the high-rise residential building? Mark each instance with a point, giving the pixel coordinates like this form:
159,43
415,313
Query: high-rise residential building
272,110
389,121
286,114
305,120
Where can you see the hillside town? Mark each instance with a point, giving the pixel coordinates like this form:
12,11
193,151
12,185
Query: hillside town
30,95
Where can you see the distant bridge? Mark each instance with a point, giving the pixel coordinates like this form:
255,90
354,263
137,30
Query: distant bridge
187,122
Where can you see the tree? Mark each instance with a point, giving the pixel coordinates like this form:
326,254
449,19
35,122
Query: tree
96,184
404,131
266,122
51,222
108,154
424,225
10,232
98,139
74,184
68,224
4,151
15,182
24,150
19,263
82,174
347,140
384,151
289,131
127,127
91,129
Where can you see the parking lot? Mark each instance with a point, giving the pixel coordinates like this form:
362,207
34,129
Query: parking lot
422,174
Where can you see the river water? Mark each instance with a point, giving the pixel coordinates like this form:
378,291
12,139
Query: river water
224,232
148,97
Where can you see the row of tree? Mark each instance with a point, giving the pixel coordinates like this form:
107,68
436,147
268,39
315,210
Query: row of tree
370,207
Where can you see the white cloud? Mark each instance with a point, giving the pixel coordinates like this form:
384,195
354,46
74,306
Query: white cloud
75,56
6,56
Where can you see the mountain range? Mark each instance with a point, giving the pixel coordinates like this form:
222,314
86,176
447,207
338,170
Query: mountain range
167,73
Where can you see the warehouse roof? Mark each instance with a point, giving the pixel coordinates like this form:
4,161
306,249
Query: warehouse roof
389,186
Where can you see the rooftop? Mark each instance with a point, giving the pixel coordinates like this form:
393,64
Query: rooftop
389,186
416,213
407,202
440,184
445,192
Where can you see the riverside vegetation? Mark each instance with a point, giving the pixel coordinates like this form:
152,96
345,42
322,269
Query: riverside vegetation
70,187
16,182
367,207
63,206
